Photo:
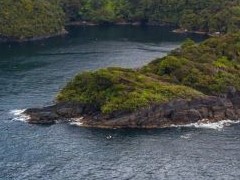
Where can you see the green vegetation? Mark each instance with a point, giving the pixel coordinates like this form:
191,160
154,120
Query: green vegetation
35,18
210,67
30,18
191,71
115,89
194,15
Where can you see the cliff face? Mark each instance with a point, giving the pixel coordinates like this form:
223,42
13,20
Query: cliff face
176,112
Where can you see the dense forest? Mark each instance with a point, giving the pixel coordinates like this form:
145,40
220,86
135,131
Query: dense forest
30,18
210,67
196,15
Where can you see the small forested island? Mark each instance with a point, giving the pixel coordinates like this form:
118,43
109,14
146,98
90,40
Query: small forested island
33,19
193,84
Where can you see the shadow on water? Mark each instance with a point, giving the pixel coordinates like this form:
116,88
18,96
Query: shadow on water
80,34
84,41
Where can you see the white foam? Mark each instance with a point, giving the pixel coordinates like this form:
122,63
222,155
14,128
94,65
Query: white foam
186,136
210,125
18,115
76,121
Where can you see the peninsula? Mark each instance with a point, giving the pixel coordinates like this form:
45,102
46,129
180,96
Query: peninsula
194,83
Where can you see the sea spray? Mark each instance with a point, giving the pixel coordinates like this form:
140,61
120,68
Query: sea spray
18,115
210,125
76,121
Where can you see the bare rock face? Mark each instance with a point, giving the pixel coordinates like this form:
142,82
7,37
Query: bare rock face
176,112
61,111
41,116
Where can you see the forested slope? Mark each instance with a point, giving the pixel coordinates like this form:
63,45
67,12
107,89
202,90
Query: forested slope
33,18
25,19
198,15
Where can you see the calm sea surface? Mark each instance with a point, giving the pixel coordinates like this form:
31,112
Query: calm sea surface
32,73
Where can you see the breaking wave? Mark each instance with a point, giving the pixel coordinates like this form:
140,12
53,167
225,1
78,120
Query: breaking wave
18,115
210,125
76,121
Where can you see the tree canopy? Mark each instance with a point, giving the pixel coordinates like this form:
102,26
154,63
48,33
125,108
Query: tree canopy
198,15
30,18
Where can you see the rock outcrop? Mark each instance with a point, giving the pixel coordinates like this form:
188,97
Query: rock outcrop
176,112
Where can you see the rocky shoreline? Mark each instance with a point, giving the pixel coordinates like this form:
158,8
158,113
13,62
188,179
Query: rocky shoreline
119,23
185,31
176,112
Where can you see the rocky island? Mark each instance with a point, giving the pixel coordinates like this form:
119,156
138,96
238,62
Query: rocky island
194,83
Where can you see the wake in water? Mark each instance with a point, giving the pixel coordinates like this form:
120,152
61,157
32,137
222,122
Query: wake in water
210,125
18,115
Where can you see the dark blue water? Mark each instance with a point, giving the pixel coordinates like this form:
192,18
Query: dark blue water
32,73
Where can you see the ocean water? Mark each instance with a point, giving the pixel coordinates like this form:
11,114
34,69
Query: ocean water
32,73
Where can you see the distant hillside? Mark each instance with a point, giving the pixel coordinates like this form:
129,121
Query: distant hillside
26,19
197,15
